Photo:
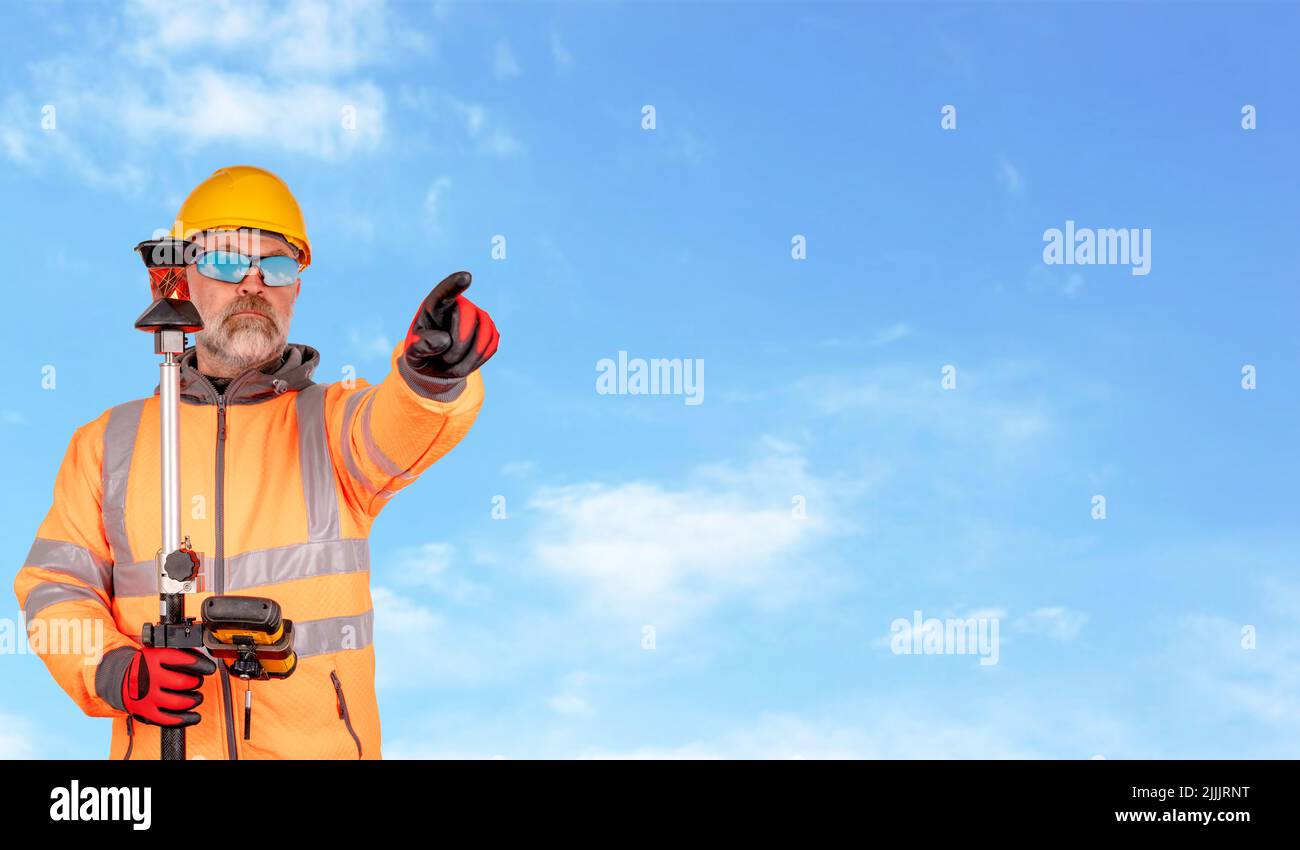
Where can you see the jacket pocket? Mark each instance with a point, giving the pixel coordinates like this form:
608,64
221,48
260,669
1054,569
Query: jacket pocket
343,709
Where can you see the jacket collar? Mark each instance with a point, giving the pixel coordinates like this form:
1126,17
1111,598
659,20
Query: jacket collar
251,386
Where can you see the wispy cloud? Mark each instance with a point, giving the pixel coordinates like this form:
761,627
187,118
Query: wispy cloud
317,37
1010,178
166,76
1248,668
984,408
664,554
369,342
1056,622
904,726
572,699
892,735
518,468
436,567
560,55
688,146
434,199
17,738
1054,279
504,64
486,137
417,649
880,338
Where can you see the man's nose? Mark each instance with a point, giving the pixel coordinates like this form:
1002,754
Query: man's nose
252,282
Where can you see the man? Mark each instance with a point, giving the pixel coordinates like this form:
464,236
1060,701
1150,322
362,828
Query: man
281,479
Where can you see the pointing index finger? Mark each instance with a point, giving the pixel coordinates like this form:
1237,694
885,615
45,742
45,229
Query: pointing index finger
450,289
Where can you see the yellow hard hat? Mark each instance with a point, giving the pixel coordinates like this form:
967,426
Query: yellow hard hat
244,196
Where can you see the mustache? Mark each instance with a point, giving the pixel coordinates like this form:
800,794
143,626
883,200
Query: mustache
256,305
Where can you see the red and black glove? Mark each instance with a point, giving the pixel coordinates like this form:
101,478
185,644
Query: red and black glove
161,686
448,338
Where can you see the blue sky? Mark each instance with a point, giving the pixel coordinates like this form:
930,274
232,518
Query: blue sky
1119,637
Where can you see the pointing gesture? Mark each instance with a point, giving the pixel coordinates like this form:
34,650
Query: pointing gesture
449,336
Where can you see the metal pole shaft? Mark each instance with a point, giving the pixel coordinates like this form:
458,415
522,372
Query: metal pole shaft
172,605
169,393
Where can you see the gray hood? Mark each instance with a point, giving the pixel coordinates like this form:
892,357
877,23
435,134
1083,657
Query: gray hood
252,385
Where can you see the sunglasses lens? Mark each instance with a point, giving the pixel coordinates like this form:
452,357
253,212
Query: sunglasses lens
223,265
279,271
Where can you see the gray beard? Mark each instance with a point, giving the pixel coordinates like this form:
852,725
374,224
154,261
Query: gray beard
244,348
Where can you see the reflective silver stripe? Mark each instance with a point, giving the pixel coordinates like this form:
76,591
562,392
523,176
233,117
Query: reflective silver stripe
49,593
136,579
302,560
349,414
262,566
77,561
333,634
377,455
317,470
119,447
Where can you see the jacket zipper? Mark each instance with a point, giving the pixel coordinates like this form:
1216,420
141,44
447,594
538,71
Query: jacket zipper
343,710
220,578
130,734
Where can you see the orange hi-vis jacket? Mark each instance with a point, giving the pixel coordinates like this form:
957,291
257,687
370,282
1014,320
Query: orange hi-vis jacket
281,479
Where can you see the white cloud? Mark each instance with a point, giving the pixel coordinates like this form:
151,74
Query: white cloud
317,37
295,116
893,333
501,144
987,410
161,76
1056,622
433,200
572,699
892,735
665,554
915,725
14,142
518,468
357,226
559,53
415,649
479,127
487,138
1010,178
504,64
1053,279
434,566
881,338
428,562
419,645
689,147
369,342
16,737
1261,683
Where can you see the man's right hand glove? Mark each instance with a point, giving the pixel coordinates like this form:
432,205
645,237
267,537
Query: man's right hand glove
449,337
161,685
